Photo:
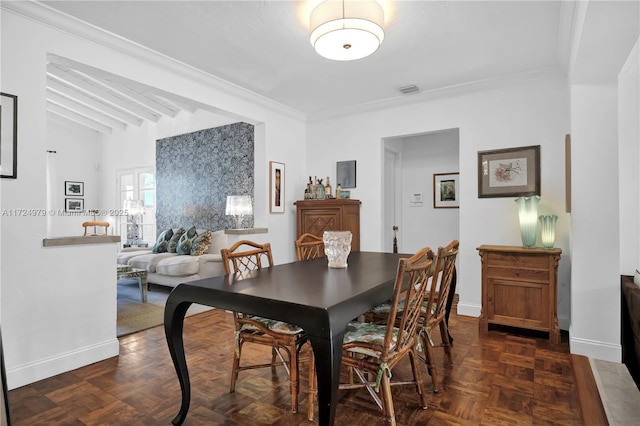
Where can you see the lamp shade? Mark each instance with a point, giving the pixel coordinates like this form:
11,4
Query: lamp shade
133,207
239,205
346,30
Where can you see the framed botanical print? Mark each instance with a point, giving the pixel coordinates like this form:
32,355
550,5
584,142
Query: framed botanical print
511,172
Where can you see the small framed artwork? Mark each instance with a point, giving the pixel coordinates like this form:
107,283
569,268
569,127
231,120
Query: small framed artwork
511,172
74,189
344,194
446,191
346,174
276,187
8,136
74,204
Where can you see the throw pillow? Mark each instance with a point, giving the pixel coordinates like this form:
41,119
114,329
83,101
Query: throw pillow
163,240
184,245
173,242
201,244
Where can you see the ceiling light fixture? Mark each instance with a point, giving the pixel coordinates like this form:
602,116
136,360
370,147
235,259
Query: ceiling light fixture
346,30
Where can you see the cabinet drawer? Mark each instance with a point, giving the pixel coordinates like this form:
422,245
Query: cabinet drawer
507,260
523,274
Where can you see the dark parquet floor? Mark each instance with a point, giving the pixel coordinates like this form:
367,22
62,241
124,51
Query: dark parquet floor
497,378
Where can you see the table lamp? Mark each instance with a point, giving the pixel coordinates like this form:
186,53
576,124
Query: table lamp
239,206
133,209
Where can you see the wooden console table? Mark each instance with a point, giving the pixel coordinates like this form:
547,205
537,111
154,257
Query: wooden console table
519,288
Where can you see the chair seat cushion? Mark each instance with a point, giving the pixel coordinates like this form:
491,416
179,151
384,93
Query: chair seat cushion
384,308
367,333
273,325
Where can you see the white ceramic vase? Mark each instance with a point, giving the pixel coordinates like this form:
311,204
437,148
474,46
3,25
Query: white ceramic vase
337,246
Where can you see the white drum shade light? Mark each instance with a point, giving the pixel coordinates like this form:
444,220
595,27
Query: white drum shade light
344,30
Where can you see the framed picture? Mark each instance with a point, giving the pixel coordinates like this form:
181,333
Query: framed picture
344,194
8,136
74,189
74,204
446,191
346,174
276,187
512,172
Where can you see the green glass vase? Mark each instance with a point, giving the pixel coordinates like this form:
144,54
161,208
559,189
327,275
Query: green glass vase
548,230
528,213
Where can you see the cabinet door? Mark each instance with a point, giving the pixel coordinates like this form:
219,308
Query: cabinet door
518,303
316,221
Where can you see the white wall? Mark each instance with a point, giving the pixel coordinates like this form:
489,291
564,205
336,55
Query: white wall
422,156
58,305
533,113
629,158
77,159
595,240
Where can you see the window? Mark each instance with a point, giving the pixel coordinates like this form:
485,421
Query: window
138,184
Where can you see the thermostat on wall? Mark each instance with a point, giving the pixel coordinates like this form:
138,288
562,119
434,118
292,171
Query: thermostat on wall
415,200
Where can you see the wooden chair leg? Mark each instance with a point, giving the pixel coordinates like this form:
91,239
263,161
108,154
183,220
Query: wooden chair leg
294,376
417,376
430,359
444,333
387,401
312,388
235,367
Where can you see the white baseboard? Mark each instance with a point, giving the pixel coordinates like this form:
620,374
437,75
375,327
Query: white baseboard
595,349
41,369
469,310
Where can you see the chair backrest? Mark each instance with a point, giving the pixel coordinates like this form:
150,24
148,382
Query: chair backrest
309,246
249,258
411,285
443,273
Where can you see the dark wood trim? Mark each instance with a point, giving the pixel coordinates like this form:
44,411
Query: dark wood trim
589,402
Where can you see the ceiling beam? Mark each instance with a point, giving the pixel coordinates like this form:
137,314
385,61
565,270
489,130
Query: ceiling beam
81,119
70,91
96,89
81,109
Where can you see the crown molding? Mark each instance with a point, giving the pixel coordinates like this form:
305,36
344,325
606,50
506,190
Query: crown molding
53,18
549,73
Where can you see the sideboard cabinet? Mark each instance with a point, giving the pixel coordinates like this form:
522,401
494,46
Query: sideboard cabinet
339,214
519,288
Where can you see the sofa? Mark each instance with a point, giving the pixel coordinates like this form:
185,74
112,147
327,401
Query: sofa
631,326
171,269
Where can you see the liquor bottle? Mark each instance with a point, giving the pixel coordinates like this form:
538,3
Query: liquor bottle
338,189
327,189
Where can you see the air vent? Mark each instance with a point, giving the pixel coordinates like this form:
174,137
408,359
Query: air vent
411,88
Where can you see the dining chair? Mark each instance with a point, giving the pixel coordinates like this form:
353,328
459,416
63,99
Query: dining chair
309,246
435,307
373,350
435,313
281,337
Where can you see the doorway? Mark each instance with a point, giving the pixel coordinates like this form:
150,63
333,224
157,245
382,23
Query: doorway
410,163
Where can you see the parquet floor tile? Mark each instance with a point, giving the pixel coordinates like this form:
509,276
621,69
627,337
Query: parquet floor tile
497,378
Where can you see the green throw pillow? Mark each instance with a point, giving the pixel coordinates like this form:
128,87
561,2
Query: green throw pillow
163,240
201,244
175,239
184,245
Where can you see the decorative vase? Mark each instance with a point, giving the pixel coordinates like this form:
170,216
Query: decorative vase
337,246
528,213
548,230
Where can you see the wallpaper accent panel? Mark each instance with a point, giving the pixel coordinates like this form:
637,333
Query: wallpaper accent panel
196,171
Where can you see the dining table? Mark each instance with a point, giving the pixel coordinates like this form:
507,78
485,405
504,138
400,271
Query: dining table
319,299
